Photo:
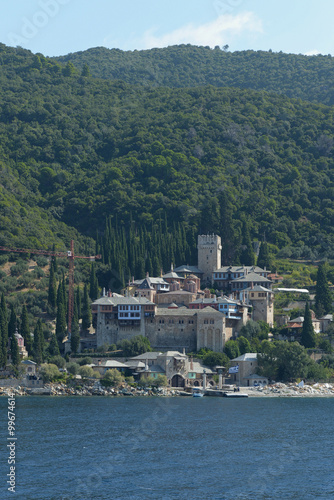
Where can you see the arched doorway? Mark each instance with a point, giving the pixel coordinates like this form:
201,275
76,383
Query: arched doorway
177,381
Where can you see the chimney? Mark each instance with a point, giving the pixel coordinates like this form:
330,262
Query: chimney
109,293
184,351
103,292
147,275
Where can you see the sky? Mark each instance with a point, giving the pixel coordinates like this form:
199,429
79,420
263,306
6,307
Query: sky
58,27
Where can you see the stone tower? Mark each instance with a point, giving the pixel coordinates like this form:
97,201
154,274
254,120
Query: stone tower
209,254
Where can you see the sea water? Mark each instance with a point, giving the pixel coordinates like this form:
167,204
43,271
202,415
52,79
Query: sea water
169,448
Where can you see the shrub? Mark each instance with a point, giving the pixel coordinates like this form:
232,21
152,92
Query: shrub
73,368
86,371
58,361
113,377
85,361
49,372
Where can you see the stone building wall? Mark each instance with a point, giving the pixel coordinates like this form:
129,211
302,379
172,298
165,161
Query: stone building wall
210,329
173,329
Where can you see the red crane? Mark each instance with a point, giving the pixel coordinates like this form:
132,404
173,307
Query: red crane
70,255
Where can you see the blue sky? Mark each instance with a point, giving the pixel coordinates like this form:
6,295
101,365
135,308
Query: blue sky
57,27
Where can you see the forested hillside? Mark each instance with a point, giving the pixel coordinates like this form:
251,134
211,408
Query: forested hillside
155,165
298,76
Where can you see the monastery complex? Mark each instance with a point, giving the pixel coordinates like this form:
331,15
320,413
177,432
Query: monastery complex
175,314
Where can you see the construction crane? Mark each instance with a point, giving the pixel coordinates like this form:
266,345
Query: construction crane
70,255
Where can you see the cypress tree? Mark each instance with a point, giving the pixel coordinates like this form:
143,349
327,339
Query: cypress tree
14,351
53,348
25,330
227,229
64,294
4,330
264,257
93,283
54,260
323,296
61,326
60,295
12,325
247,256
38,345
75,333
1,349
78,302
52,295
308,335
86,310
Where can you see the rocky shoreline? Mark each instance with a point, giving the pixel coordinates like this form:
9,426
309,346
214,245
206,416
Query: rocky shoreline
96,389
291,390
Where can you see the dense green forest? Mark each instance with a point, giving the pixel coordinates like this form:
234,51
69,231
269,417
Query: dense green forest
298,76
93,159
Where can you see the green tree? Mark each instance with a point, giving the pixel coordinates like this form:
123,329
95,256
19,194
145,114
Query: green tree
61,326
231,349
227,228
250,330
308,338
244,345
75,333
38,344
86,371
113,377
58,361
78,301
53,348
52,295
323,295
284,361
213,359
4,331
138,345
25,330
85,70
293,361
86,310
73,368
93,283
14,351
12,325
247,255
49,372
264,260
159,381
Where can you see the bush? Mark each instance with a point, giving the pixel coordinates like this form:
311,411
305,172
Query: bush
85,361
212,359
58,361
113,378
86,371
73,368
49,372
159,381
19,268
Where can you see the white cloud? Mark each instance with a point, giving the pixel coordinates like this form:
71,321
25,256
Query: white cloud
313,52
213,33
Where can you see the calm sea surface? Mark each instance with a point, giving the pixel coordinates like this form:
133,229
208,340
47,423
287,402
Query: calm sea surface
170,448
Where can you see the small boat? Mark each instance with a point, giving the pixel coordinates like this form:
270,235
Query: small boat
235,395
197,393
